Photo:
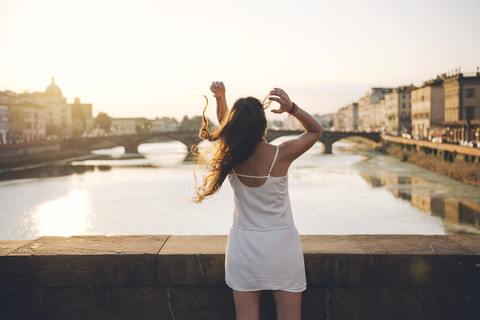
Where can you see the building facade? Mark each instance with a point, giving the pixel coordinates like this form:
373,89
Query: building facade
339,120
346,119
398,106
27,123
82,120
366,120
378,116
58,112
125,126
462,107
428,109
164,124
4,123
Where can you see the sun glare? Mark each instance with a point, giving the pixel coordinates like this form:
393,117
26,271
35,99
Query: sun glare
66,216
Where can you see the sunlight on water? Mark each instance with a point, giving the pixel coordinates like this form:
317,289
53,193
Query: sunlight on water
116,151
64,216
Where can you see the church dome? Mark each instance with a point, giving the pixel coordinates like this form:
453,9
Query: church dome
53,89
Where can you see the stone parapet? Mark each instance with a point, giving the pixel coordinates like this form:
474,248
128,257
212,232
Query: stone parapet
182,277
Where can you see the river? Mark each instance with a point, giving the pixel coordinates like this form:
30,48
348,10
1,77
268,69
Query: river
349,192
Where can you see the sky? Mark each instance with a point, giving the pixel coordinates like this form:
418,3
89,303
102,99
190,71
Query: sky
157,58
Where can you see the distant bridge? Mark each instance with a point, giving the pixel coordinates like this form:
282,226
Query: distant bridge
328,138
191,139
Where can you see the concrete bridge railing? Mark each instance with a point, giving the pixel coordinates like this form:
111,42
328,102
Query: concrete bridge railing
182,277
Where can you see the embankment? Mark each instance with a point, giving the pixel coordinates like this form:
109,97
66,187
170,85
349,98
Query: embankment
34,154
460,163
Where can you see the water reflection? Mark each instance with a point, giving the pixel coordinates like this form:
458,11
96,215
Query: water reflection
65,216
458,216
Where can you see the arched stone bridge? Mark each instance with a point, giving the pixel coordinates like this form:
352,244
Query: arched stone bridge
191,139
327,137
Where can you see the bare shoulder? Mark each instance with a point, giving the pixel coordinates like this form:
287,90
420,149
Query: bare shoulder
292,149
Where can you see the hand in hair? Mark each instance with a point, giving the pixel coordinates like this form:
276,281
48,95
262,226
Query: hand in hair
280,96
218,89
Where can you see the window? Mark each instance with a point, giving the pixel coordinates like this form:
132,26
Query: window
469,112
403,105
470,92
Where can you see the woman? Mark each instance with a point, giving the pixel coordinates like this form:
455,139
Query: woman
264,251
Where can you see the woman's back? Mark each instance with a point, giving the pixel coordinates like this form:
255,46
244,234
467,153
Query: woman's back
264,206
259,164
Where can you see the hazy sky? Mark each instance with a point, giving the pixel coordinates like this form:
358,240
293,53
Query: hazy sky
157,58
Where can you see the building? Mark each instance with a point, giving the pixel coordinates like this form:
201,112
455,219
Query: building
339,120
346,119
290,123
378,115
366,120
27,123
462,107
125,126
428,109
41,115
82,120
4,122
164,124
326,120
398,107
58,112
351,117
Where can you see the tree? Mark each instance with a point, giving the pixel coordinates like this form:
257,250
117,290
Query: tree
103,121
192,124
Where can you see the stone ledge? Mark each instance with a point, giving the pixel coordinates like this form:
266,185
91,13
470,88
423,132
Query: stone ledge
161,277
81,260
199,260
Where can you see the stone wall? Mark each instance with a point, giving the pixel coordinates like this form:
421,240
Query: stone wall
182,277
29,148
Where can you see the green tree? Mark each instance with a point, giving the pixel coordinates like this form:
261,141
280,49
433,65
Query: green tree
103,121
192,124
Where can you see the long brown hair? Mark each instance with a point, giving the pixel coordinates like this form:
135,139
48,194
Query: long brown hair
235,140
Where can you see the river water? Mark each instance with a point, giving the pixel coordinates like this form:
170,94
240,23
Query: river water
349,192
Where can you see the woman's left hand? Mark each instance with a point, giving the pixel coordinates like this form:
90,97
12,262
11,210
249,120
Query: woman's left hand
282,98
218,89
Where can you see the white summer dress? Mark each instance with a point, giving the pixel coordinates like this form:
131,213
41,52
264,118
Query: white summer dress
264,251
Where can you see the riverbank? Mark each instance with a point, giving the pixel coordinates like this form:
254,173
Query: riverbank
457,168
27,161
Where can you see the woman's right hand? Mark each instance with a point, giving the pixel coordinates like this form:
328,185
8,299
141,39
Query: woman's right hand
282,98
218,89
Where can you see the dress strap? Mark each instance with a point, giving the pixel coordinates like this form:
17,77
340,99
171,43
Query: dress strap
247,176
259,177
273,162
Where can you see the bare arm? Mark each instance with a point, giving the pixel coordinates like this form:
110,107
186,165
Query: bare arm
218,89
292,149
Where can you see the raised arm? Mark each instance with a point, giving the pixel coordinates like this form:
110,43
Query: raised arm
292,149
218,89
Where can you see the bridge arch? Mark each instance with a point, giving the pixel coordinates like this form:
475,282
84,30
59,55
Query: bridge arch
131,142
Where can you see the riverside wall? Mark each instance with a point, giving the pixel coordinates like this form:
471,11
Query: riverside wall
447,151
457,162
29,148
182,277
